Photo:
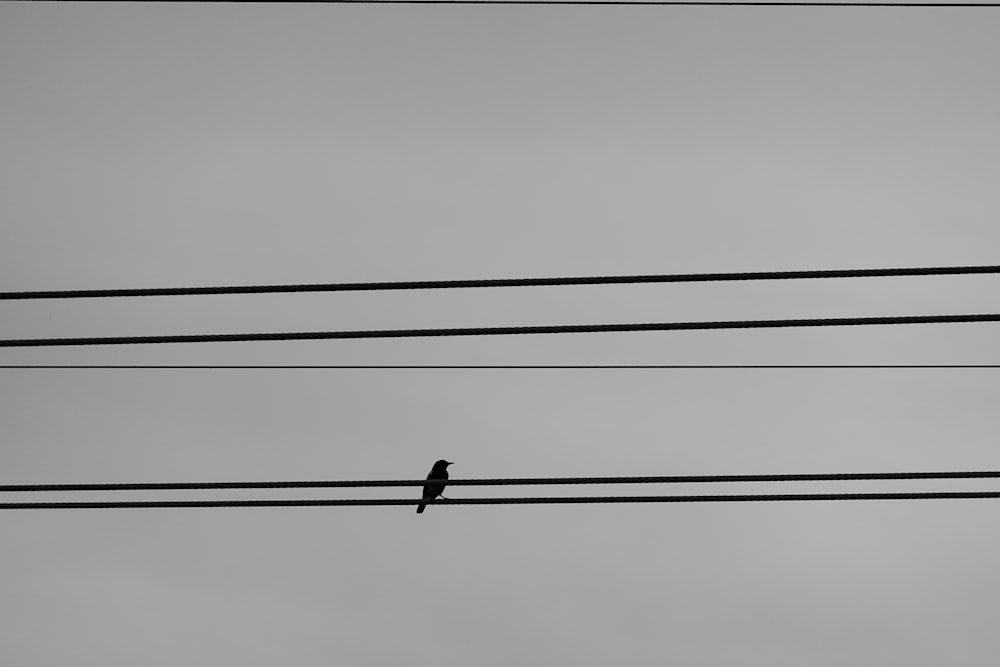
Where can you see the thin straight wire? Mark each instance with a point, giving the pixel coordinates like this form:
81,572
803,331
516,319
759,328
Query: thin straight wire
633,3
511,481
352,502
506,282
502,331
488,366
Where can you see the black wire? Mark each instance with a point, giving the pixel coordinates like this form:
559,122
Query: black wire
509,481
710,3
486,366
354,502
506,282
500,331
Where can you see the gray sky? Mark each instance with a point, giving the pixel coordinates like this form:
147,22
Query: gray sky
199,144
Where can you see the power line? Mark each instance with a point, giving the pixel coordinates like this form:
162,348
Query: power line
505,282
507,481
501,331
358,502
486,366
633,3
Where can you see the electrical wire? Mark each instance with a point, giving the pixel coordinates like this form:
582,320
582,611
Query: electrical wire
486,366
501,331
355,502
654,3
505,282
508,481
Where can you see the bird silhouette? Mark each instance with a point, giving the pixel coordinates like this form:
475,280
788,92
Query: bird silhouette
432,491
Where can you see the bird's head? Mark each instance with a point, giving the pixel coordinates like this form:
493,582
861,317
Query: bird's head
442,464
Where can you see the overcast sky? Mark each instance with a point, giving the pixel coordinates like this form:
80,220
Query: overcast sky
169,145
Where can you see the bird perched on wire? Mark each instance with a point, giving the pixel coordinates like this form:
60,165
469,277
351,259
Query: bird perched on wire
432,491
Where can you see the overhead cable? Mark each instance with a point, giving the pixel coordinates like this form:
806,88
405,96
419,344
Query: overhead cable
500,331
572,500
505,282
633,3
349,367
509,481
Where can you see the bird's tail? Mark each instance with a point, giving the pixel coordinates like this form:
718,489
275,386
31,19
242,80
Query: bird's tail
420,508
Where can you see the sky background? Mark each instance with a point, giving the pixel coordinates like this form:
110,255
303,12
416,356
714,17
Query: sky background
163,145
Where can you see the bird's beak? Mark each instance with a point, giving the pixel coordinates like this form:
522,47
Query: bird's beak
449,462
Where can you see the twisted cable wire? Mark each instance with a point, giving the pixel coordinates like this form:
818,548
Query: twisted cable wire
504,282
502,331
353,502
511,481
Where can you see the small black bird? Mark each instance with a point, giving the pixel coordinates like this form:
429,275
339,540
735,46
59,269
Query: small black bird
432,491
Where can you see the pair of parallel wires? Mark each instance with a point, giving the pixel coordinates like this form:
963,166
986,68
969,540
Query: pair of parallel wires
501,331
561,500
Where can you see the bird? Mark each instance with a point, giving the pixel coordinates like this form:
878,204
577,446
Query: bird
432,491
